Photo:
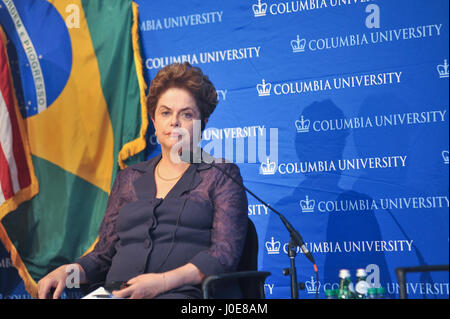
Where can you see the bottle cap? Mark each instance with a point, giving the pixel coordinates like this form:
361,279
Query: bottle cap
361,272
344,273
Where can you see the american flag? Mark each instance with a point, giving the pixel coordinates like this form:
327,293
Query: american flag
15,167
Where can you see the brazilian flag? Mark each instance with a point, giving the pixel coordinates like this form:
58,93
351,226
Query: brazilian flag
79,84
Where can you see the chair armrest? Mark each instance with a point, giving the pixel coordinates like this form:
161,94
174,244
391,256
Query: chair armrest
208,281
401,275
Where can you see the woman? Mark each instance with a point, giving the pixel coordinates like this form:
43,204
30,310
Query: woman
168,224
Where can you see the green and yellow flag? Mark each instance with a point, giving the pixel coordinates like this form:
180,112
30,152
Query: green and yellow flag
78,75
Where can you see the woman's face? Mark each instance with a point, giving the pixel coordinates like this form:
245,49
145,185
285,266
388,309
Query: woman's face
175,115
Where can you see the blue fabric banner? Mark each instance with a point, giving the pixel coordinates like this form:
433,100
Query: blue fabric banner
340,109
336,112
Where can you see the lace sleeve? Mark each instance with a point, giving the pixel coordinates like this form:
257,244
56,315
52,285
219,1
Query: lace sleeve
229,224
97,263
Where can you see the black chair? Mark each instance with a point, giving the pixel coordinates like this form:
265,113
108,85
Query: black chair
247,277
402,271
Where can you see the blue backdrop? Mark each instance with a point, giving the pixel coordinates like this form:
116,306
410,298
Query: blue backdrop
340,108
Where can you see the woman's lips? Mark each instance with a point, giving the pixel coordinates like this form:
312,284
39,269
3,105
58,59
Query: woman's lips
173,135
177,134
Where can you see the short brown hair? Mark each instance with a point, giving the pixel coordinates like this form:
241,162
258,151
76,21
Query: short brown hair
184,76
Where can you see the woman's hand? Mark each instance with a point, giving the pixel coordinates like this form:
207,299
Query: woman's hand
143,287
57,279
151,285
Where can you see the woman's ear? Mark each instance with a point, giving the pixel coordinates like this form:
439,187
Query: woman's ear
153,120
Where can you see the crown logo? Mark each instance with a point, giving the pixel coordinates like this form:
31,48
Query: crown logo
445,156
307,205
298,45
273,247
302,125
443,69
260,9
268,168
312,285
264,88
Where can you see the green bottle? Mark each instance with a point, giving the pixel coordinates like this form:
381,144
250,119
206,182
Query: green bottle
344,284
362,286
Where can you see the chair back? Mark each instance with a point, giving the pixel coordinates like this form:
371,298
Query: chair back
247,282
249,258
249,262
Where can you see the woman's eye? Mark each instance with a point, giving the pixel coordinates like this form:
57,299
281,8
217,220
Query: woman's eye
164,113
188,115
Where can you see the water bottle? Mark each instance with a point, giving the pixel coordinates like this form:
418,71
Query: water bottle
362,286
344,284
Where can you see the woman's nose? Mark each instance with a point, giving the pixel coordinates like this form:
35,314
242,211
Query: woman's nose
174,121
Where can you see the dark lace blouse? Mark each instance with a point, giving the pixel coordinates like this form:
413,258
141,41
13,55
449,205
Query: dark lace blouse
202,220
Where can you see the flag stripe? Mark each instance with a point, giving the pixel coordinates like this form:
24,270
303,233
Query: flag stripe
2,198
12,148
5,176
8,175
16,159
